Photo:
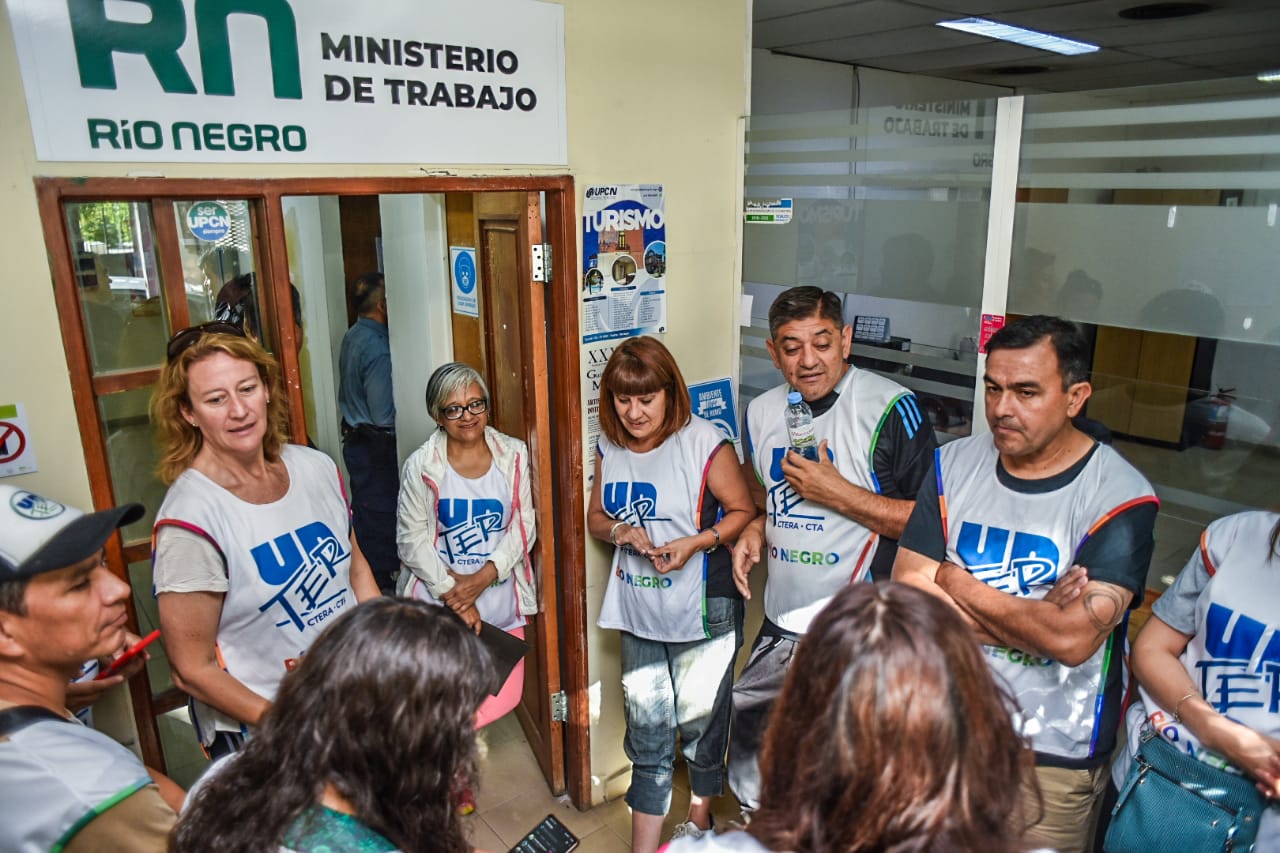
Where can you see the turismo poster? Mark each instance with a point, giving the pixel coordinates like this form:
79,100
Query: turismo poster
624,262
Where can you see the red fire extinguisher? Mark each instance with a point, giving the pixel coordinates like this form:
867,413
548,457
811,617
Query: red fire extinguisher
1215,432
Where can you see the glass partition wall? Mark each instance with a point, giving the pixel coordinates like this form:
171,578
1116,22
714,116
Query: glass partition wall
1150,216
1147,215
887,206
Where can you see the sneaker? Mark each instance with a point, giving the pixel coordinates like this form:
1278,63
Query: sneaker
689,830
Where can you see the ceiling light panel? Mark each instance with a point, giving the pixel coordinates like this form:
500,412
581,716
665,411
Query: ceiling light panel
1018,35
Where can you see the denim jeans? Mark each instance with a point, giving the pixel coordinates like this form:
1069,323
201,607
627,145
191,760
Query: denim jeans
685,689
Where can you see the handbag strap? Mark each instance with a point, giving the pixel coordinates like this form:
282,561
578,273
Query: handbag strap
20,716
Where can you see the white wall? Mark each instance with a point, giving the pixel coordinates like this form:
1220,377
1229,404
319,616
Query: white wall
313,234
415,261
674,121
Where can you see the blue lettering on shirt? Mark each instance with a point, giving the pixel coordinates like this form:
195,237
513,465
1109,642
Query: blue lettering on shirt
1227,679
1031,559
303,563
632,502
469,527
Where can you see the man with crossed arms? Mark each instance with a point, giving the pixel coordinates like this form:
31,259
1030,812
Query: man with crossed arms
1042,538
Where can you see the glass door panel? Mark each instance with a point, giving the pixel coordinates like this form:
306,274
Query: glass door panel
112,246
132,454
219,264
184,759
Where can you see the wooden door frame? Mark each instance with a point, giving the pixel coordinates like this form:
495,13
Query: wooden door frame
561,224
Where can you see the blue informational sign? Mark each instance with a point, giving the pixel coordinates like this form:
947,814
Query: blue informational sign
462,260
208,221
714,401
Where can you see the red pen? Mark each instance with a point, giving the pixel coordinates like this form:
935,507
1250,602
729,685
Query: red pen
129,654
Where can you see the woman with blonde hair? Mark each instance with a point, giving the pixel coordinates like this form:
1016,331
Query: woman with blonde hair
252,547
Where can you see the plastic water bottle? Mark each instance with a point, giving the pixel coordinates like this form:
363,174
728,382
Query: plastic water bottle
800,427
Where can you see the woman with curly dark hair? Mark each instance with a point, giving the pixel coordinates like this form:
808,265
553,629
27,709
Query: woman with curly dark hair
889,735
363,748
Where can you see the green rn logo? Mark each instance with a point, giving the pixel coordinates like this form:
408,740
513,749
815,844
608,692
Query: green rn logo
97,38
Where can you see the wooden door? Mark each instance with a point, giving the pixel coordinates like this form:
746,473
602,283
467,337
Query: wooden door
1115,368
515,322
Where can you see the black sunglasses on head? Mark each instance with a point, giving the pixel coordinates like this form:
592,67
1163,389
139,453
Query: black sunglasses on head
186,338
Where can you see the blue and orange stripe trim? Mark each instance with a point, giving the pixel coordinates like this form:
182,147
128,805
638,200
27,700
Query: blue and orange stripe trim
942,494
1124,507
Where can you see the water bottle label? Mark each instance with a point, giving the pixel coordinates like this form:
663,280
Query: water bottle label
808,451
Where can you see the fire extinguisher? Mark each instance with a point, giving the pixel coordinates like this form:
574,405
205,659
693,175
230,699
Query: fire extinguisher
1215,432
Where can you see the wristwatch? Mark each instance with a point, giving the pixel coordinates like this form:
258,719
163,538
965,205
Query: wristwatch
716,534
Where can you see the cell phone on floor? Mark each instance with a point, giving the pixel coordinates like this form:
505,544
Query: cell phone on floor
550,836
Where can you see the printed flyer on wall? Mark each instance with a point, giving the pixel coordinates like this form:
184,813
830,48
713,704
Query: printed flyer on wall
624,266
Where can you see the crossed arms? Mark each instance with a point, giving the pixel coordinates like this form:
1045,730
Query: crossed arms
1068,625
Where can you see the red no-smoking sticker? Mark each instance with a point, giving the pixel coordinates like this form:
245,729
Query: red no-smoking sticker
17,451
12,442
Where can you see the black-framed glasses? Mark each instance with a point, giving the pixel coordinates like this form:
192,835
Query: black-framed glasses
186,338
475,407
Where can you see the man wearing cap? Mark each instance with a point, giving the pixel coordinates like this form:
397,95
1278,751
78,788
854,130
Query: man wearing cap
64,786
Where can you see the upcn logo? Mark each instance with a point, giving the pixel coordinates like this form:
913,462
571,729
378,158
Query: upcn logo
601,192
98,38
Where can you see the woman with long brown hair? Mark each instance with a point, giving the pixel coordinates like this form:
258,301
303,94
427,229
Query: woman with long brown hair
889,734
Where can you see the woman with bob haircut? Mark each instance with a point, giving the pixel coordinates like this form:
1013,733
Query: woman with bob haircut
669,496
465,520
889,734
361,749
252,549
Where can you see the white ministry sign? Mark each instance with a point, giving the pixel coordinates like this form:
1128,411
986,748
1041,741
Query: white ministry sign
311,81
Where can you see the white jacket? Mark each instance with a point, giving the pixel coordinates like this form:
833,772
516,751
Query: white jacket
417,527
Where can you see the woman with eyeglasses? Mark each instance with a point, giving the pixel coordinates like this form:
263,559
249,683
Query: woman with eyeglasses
465,521
252,549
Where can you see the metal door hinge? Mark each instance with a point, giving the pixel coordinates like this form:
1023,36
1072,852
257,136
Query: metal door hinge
559,707
541,262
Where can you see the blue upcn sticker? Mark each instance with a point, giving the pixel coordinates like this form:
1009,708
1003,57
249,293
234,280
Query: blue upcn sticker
208,221
464,272
35,507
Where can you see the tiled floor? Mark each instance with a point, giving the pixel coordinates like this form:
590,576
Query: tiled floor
513,797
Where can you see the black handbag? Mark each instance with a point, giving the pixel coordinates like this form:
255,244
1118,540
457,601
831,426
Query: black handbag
1173,802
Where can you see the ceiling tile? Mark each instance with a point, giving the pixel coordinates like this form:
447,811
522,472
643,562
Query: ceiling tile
1236,37
873,16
